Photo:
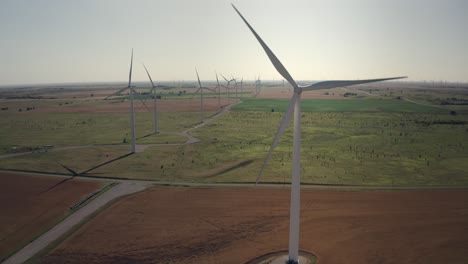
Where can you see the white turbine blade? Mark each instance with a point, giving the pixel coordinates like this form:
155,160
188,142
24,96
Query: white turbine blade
150,92
119,91
341,83
152,84
276,62
196,92
224,77
284,123
217,80
211,89
135,92
149,76
199,83
130,74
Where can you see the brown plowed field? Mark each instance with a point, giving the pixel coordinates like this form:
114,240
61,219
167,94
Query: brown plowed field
224,225
30,205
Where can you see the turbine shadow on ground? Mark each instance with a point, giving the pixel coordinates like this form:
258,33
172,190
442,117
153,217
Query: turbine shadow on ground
57,184
237,166
107,162
145,136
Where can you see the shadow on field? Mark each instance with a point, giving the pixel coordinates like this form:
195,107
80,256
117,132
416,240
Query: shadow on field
145,136
74,173
107,162
239,165
57,184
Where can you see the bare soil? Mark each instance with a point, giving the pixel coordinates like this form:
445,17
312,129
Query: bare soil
229,225
30,205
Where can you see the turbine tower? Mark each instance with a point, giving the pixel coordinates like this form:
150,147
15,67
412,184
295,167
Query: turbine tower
219,92
200,89
228,82
295,107
132,109
201,96
155,108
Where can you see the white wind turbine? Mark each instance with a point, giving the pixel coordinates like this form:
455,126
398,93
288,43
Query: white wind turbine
295,107
219,92
200,89
155,108
257,85
241,86
236,86
228,82
132,109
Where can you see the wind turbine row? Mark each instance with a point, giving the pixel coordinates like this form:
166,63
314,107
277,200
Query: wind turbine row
294,108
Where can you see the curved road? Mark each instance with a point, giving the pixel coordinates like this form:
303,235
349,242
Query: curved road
126,187
63,227
141,147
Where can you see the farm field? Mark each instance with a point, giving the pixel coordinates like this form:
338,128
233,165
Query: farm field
30,205
75,126
333,105
364,140
228,225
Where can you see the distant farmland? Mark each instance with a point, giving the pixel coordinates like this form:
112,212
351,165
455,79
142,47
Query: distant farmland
333,105
373,140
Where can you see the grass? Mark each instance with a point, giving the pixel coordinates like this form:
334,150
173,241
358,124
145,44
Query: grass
32,129
354,141
354,105
337,148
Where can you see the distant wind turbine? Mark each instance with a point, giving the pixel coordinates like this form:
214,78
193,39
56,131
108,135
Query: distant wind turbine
155,108
219,92
257,85
200,89
295,107
242,87
235,85
228,82
132,109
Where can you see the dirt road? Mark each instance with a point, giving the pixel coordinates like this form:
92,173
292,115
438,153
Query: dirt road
43,241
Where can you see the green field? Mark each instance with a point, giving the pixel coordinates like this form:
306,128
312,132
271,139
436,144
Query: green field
353,141
351,105
31,130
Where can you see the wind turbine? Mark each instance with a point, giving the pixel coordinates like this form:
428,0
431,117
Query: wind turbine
242,86
132,110
228,82
200,89
257,85
155,108
219,92
295,107
201,96
235,85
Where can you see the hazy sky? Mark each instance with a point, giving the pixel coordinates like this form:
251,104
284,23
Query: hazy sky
56,41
